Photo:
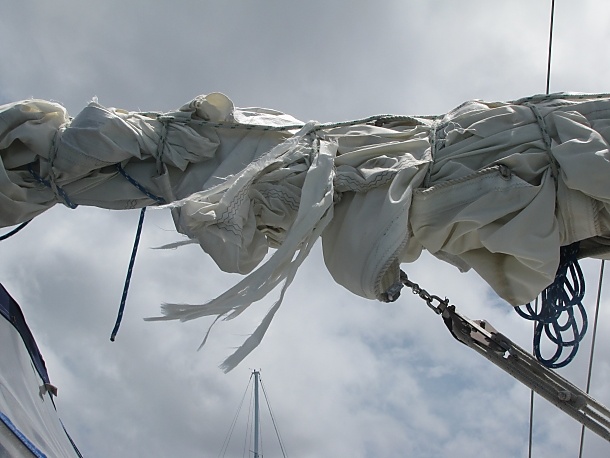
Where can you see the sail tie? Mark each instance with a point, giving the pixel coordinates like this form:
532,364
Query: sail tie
51,183
546,138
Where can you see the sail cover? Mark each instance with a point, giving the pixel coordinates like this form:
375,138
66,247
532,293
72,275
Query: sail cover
29,425
497,187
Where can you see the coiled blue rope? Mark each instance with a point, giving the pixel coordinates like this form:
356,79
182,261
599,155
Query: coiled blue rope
562,316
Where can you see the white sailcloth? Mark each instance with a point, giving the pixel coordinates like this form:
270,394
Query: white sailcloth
497,187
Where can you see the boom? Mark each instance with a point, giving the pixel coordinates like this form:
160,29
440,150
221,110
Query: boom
514,360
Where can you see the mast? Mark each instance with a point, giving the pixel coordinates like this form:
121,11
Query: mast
256,413
255,420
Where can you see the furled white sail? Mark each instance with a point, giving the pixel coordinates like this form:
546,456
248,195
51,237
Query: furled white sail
497,187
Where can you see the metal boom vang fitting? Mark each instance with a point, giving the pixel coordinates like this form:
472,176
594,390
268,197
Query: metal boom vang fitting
510,357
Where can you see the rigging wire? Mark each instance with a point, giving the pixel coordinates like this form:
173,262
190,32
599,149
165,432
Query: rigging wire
532,396
597,302
248,436
277,431
249,427
548,90
548,65
561,300
225,444
573,290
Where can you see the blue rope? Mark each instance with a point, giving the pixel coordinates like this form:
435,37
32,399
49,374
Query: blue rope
561,311
134,251
47,183
70,204
14,231
146,192
136,243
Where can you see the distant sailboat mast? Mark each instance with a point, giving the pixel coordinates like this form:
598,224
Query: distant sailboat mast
256,413
253,433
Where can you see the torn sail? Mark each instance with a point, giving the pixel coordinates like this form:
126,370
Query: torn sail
497,187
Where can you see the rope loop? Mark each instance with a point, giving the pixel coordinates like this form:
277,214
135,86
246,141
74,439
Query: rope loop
562,318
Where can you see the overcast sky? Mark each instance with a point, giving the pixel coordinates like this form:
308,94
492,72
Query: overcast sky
345,376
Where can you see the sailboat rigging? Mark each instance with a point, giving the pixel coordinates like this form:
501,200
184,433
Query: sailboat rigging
254,428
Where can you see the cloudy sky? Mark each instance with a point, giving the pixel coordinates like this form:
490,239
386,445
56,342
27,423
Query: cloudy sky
345,376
